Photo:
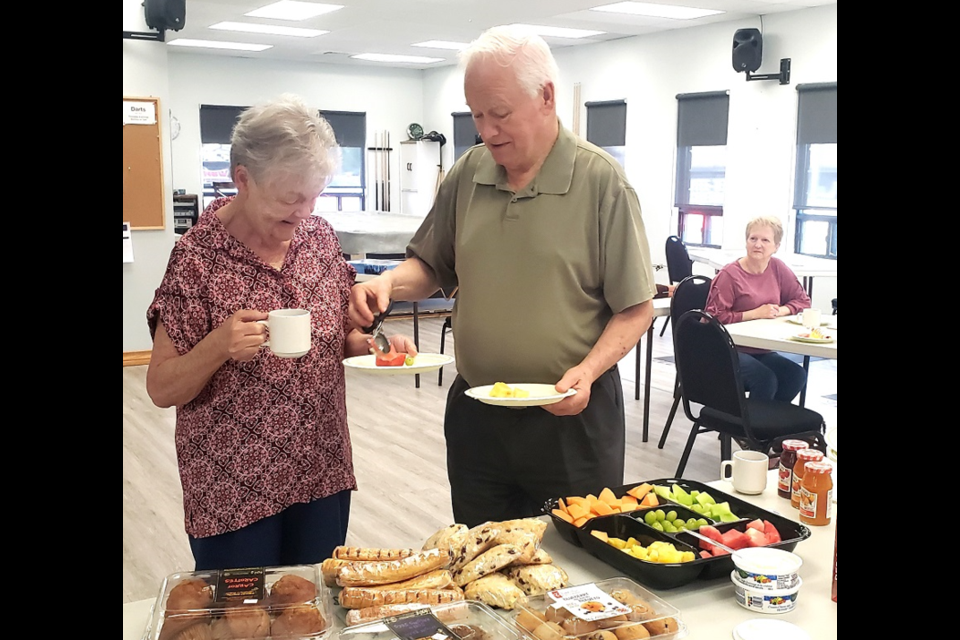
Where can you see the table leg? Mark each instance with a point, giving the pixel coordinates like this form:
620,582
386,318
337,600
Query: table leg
806,373
646,393
416,337
636,378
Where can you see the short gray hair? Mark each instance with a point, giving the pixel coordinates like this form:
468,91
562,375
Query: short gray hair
516,47
767,221
284,135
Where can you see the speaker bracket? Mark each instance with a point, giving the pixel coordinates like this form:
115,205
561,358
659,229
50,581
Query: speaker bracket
145,35
783,76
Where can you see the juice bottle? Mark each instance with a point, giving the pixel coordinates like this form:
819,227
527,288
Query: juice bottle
803,457
816,493
788,458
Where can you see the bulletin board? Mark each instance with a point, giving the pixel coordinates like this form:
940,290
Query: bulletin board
143,198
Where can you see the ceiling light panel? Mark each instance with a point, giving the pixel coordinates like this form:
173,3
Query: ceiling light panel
389,57
247,27
558,32
673,12
442,44
214,44
293,10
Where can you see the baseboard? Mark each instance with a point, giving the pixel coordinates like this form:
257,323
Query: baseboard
135,358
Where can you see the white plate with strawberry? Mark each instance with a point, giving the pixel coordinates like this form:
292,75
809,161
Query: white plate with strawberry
814,336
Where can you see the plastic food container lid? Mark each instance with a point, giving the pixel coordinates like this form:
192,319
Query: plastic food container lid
480,621
794,445
821,466
286,602
810,455
763,560
597,609
768,629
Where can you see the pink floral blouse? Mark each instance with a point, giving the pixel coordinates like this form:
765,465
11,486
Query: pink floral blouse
271,432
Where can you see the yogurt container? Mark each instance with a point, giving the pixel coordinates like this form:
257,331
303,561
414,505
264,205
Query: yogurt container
765,569
765,600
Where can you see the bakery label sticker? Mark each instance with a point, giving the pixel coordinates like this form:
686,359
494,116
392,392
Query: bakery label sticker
587,602
419,625
245,585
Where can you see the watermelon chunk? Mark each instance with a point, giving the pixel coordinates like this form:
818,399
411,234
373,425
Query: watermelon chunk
756,524
705,554
757,538
711,532
773,536
735,539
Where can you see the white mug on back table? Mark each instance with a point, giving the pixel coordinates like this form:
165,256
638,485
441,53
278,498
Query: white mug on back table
749,471
289,332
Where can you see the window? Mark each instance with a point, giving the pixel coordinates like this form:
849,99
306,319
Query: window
815,193
346,191
216,127
464,133
607,127
701,166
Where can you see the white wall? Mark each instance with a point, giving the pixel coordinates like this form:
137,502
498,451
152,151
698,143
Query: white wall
145,75
647,71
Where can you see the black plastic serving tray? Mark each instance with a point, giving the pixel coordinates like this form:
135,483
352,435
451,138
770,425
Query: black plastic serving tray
668,576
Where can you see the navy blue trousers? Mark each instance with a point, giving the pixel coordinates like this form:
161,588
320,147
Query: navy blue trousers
300,534
770,376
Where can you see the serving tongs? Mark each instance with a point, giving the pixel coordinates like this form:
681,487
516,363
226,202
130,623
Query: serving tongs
379,339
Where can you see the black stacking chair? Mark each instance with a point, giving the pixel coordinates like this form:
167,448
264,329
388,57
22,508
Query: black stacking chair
709,369
691,294
679,266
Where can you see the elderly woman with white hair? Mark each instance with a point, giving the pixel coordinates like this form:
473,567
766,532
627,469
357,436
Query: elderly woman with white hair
757,286
262,444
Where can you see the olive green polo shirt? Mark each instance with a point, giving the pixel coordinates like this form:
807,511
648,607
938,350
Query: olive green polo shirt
541,271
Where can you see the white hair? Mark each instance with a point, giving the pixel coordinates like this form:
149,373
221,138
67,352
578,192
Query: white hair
284,135
516,47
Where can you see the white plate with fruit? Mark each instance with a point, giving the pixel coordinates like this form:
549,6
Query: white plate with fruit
421,363
814,336
518,394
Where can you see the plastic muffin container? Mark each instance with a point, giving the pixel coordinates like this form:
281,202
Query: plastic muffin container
283,603
615,609
670,575
467,620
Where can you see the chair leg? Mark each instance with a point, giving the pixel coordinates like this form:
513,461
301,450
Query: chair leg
726,447
443,338
694,432
663,329
673,413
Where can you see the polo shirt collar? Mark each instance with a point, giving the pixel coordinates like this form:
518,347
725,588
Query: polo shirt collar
555,176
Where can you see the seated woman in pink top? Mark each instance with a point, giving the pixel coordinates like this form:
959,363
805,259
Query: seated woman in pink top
761,286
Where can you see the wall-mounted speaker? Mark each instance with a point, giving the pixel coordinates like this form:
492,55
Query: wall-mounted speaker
747,50
165,14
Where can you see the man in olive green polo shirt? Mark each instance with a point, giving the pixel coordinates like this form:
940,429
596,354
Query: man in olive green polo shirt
542,235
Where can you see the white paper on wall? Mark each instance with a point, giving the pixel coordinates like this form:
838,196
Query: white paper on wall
127,243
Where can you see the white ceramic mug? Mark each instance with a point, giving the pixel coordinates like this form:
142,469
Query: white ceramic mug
289,332
811,318
749,471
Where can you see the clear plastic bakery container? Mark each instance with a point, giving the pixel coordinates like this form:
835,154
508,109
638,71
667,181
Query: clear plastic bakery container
283,603
618,607
467,619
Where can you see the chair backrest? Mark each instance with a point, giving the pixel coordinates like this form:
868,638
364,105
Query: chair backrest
690,294
708,365
679,265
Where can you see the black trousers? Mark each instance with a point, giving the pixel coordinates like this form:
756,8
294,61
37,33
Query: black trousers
506,463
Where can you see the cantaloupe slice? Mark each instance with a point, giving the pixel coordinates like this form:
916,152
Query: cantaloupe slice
627,507
571,500
577,511
579,522
608,496
640,490
628,499
561,505
650,500
563,515
601,508
602,535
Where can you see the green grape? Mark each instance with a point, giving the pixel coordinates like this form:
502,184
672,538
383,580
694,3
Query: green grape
657,526
650,517
661,516
668,527
692,523
671,515
680,525
702,522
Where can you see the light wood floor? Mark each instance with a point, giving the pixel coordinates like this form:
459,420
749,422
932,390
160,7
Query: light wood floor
399,455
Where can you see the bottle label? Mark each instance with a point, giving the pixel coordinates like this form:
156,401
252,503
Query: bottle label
808,504
785,479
